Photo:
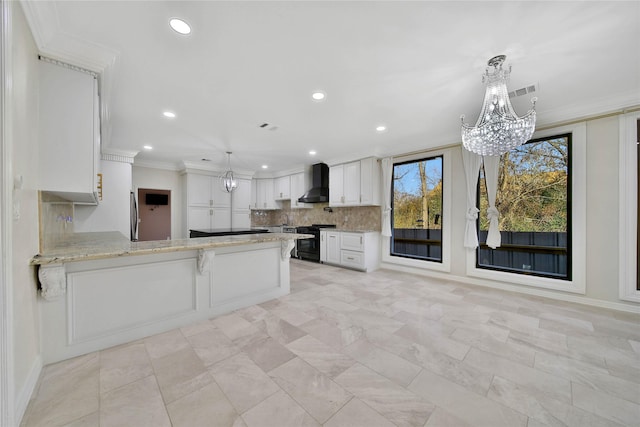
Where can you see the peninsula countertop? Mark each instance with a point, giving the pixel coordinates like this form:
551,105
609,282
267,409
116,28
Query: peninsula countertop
112,244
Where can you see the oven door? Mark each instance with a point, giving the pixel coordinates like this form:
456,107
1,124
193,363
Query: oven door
309,249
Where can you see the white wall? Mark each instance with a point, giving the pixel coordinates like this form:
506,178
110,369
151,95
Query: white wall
602,217
26,339
113,211
162,179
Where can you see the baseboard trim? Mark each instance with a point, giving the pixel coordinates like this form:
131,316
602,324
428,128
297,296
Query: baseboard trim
25,394
579,299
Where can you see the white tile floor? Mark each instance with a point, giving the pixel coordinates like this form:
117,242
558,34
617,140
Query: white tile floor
354,349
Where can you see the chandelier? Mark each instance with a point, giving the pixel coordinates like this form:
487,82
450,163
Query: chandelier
498,128
227,180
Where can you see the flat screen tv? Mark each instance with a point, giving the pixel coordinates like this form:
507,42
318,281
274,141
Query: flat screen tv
156,199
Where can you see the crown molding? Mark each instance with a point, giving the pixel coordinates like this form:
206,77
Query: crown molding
118,155
151,164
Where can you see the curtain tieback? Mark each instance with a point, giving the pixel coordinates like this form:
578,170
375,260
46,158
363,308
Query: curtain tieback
472,214
492,213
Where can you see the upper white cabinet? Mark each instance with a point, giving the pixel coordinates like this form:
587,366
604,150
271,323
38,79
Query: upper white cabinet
263,194
299,185
206,190
282,187
241,204
68,133
355,183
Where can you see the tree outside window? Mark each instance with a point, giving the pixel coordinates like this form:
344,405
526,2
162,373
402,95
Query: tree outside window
417,209
533,201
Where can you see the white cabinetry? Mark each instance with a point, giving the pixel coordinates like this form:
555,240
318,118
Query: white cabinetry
207,205
299,185
357,250
68,133
241,204
282,187
330,247
263,196
355,183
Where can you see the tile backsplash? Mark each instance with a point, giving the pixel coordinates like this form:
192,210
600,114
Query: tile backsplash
56,221
351,218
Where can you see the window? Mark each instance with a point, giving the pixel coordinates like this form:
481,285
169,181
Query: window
417,203
535,211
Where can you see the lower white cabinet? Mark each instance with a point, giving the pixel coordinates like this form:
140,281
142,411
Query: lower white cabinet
330,247
200,218
352,249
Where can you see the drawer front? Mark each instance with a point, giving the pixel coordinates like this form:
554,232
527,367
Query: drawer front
352,259
352,241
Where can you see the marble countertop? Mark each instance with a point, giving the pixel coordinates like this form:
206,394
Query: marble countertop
99,245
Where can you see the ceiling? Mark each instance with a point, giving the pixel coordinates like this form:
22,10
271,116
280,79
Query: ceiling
413,66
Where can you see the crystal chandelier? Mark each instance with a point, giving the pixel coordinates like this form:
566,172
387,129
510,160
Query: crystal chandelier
228,181
498,128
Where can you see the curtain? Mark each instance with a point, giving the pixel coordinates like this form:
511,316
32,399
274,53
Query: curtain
491,166
387,172
471,163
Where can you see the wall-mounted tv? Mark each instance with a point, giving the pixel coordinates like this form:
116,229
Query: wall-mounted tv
156,199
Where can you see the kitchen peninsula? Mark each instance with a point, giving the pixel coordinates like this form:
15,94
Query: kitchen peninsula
101,290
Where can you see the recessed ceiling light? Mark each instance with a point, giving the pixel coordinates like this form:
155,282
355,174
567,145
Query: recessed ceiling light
180,26
264,166
318,96
148,147
312,153
381,128
169,114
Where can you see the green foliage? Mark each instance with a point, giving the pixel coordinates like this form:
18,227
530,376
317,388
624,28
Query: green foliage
532,188
420,209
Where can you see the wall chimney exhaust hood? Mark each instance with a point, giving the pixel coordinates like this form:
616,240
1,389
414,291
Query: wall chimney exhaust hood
319,191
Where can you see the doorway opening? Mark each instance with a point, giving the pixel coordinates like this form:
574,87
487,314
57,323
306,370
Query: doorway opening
154,214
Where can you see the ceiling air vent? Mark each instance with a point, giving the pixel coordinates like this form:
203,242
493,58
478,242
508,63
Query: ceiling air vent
268,126
523,91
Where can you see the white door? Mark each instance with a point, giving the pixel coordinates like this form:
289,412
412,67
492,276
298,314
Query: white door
333,247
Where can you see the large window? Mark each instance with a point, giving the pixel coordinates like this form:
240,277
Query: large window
535,211
417,209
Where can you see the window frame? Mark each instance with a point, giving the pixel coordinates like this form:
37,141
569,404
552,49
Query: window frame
445,264
628,207
569,138
578,207
405,162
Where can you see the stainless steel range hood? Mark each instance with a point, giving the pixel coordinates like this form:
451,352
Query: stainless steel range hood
319,192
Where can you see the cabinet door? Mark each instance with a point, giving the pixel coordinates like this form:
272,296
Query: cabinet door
370,182
336,185
199,218
333,247
282,188
241,196
352,183
199,190
221,218
298,188
66,130
352,241
264,194
221,199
